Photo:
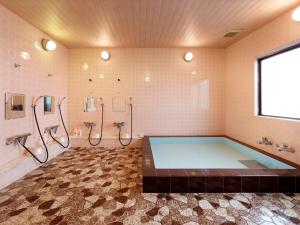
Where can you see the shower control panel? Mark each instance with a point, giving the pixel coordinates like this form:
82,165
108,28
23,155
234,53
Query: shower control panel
50,129
118,124
17,138
89,124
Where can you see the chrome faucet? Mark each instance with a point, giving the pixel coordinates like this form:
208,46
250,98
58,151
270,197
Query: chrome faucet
284,147
118,124
265,141
89,124
21,138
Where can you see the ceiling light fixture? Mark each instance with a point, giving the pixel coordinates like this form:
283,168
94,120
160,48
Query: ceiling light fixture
296,14
48,45
188,56
105,55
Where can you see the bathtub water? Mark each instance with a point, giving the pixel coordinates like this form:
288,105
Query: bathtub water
208,153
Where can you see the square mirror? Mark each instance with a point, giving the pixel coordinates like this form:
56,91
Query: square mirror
14,106
89,104
49,104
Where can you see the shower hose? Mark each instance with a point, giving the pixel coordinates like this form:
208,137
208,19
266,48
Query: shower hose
63,123
38,127
91,129
120,130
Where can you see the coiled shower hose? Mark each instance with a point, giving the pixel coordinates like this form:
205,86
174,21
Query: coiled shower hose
38,127
91,129
120,130
63,123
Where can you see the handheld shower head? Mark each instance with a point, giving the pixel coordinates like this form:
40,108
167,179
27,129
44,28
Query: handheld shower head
62,99
130,100
101,100
36,100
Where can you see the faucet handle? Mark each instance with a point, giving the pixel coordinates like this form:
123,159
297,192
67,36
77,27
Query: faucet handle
284,147
89,124
281,146
264,141
261,141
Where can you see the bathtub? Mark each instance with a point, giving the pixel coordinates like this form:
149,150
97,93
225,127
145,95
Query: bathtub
213,164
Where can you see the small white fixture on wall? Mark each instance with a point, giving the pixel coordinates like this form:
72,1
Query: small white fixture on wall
85,66
188,56
48,45
25,55
105,55
296,14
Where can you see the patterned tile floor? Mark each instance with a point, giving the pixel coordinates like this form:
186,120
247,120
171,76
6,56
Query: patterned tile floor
103,186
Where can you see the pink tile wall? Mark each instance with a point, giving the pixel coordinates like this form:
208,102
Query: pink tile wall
241,122
180,99
30,79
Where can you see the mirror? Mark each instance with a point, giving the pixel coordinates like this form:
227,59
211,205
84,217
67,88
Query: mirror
49,104
89,104
14,106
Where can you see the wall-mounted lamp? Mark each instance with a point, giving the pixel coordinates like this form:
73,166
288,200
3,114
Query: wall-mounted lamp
188,56
296,14
48,45
105,55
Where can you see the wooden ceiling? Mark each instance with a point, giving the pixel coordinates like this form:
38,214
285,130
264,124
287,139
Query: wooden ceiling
147,23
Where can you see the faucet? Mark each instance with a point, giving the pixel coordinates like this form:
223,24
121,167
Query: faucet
264,141
21,138
51,129
118,124
284,147
89,124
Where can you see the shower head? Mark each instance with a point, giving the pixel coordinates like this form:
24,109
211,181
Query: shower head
101,100
61,100
130,100
36,100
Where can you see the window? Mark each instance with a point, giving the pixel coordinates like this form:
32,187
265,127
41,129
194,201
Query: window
279,84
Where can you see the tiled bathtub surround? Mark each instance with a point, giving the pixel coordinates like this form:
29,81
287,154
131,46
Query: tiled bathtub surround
30,79
103,186
216,180
170,96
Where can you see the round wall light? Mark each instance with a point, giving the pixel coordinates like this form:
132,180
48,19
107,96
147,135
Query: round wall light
296,14
105,55
48,45
188,56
